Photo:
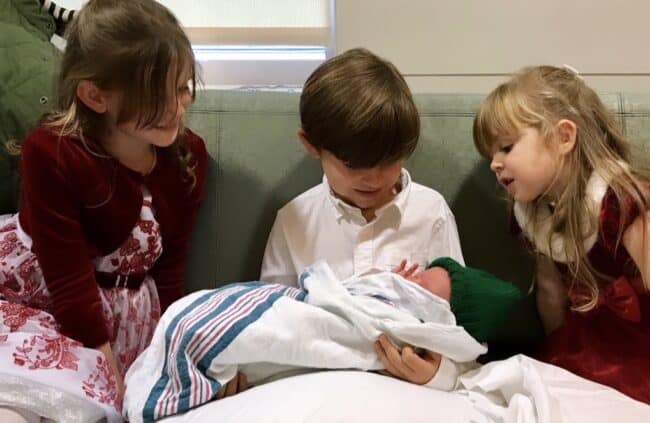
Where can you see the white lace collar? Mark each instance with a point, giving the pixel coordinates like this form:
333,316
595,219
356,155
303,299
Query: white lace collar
540,232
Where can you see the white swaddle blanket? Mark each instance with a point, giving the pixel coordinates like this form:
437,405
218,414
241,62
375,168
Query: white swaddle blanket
269,330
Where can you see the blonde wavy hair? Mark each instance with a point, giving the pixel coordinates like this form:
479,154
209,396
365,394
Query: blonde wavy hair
135,47
539,97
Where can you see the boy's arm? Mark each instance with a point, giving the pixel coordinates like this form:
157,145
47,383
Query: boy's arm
429,369
277,265
444,239
407,364
446,379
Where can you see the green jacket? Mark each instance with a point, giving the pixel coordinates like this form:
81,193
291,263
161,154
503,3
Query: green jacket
27,67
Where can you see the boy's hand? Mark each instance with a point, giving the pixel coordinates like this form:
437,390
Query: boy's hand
236,385
407,365
403,271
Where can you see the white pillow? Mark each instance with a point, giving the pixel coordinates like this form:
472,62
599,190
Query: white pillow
336,396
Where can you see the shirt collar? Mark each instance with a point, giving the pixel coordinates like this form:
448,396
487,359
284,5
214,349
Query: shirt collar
343,209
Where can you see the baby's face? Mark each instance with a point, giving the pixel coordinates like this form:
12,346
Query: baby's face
435,280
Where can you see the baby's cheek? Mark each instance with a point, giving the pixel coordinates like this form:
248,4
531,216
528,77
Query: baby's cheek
437,282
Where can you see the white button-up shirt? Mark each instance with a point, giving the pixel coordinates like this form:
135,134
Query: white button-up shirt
417,225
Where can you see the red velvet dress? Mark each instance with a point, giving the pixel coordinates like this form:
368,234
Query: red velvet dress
611,343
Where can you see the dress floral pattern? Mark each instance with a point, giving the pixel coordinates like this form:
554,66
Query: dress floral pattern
31,346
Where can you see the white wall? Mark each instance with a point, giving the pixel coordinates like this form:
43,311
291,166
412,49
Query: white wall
70,4
472,45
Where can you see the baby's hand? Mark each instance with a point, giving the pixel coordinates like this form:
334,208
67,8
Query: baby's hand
403,271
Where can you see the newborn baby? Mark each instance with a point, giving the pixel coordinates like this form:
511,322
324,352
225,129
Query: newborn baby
480,301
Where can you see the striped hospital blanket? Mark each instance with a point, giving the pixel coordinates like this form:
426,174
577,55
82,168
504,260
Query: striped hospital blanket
268,330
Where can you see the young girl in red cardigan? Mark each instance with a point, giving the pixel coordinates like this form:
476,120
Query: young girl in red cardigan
111,184
583,207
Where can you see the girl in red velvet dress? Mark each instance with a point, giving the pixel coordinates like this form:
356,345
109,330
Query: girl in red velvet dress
111,184
584,210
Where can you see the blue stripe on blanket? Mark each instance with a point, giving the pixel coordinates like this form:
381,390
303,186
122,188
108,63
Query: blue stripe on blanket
228,301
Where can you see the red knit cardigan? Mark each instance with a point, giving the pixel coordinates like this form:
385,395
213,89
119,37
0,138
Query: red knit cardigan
77,206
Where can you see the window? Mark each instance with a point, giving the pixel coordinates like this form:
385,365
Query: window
273,43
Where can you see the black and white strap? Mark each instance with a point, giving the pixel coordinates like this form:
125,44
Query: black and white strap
60,14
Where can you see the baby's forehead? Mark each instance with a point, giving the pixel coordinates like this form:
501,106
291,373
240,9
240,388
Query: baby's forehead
431,278
434,272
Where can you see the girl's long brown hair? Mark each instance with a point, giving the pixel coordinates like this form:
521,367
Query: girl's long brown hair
135,47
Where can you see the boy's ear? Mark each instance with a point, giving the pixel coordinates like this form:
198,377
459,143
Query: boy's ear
311,150
92,96
567,134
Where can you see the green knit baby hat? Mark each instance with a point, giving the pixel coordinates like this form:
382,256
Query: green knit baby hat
480,301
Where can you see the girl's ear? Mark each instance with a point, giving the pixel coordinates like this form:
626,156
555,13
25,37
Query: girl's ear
311,150
567,132
93,97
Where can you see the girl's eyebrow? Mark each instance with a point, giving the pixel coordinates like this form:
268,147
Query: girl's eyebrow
505,139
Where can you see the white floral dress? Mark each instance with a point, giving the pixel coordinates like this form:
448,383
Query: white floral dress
49,373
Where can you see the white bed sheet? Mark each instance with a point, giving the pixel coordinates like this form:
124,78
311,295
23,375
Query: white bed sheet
336,396
520,389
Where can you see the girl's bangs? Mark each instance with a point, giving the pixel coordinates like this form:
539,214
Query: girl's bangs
147,100
503,114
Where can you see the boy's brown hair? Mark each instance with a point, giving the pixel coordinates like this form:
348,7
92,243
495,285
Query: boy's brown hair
358,107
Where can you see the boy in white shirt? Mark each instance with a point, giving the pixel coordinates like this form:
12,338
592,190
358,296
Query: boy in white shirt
359,119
